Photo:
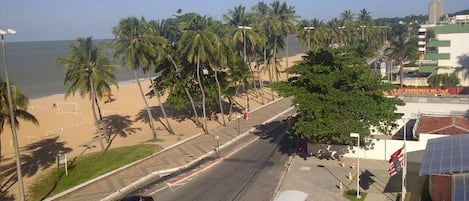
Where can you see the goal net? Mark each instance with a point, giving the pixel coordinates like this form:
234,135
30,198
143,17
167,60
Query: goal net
68,107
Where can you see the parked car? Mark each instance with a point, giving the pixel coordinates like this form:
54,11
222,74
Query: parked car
137,198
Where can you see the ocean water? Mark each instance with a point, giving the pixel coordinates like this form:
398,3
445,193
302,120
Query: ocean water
33,70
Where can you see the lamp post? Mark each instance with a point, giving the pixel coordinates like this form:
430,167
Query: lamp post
244,28
357,135
218,145
404,169
239,126
341,28
362,27
309,39
12,115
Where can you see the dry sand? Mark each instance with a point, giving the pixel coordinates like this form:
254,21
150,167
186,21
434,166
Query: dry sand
68,132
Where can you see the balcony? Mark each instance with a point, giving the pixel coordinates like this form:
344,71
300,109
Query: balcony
427,69
439,43
437,56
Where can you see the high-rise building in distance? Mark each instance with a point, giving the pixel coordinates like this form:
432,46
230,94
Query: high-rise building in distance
435,11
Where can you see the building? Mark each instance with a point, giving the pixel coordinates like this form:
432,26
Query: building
435,11
448,52
454,123
446,162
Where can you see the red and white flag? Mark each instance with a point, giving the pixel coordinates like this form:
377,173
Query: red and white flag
396,161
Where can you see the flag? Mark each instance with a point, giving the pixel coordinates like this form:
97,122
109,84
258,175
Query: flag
396,161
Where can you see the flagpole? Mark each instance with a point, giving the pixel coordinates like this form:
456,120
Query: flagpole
404,169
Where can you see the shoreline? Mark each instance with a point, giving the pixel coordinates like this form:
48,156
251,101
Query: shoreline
72,131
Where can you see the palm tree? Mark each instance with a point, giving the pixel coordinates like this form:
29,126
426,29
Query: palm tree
88,72
221,53
159,43
266,23
347,17
197,44
134,44
245,39
403,50
20,105
287,19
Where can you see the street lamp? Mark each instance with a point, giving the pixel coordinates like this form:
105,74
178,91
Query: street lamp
341,28
239,127
357,135
244,28
362,27
309,39
218,145
12,115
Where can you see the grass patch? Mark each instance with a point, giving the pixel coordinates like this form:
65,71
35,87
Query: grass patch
352,195
87,167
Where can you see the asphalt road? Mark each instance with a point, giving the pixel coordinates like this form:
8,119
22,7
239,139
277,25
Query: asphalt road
251,173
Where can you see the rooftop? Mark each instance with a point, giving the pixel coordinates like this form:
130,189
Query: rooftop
442,124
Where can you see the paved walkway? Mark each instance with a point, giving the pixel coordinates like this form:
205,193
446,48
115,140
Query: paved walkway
321,179
124,180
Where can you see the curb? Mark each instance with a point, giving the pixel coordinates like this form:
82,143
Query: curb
146,179
63,193
152,175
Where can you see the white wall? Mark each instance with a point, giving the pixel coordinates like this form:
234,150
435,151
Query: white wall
459,49
378,149
381,149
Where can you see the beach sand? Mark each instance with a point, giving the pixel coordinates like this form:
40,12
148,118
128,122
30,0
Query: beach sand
72,130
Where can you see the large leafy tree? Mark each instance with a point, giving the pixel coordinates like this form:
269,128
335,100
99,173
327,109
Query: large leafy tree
135,44
335,94
88,72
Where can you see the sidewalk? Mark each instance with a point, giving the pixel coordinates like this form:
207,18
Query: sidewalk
321,179
126,179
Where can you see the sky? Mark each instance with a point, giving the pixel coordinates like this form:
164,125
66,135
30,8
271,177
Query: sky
45,20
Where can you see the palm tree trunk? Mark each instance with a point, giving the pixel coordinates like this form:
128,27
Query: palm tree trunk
95,116
150,117
186,90
261,85
163,111
286,56
203,95
247,98
269,69
98,107
275,60
401,79
232,102
219,98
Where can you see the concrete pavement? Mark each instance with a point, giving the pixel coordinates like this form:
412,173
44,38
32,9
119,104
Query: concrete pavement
320,178
125,180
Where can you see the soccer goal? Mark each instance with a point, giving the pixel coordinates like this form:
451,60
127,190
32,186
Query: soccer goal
68,108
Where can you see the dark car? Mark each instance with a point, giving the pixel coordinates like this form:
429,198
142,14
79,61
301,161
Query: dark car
137,198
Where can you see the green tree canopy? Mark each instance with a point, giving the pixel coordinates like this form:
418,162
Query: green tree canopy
335,95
